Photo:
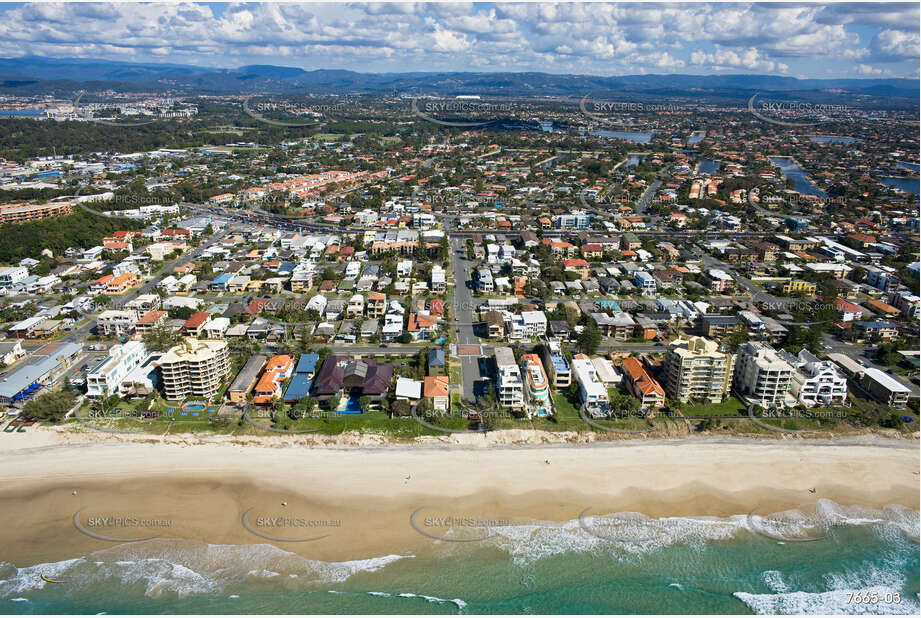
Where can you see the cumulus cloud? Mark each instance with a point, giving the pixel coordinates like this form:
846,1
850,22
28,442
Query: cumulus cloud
596,38
749,59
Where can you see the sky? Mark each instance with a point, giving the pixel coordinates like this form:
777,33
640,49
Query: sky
790,39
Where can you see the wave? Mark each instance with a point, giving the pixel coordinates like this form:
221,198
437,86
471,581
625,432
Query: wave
844,594
623,534
459,603
834,602
178,569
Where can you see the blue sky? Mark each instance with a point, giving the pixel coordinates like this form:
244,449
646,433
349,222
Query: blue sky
792,39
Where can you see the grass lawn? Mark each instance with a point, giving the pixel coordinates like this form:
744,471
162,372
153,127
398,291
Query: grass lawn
730,407
454,374
372,422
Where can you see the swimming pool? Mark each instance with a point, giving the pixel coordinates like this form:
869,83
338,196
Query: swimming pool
194,405
352,406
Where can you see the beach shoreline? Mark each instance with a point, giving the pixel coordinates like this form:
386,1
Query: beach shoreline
385,499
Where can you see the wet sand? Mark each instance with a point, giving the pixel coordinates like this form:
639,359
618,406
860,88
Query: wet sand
362,501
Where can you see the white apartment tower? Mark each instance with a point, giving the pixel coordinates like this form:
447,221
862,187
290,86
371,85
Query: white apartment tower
696,370
761,375
509,385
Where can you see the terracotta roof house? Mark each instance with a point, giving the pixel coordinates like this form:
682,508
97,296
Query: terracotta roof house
195,323
643,386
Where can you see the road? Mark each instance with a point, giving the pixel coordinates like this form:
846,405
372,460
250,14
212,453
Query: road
463,316
858,351
79,334
648,194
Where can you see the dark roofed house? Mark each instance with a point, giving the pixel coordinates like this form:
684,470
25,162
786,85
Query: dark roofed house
559,329
436,362
328,381
235,309
357,378
495,324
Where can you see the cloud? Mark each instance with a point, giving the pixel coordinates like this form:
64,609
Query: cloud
594,38
866,69
749,59
897,44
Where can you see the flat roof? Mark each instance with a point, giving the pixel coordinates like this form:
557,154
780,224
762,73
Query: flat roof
307,363
15,383
247,375
886,380
298,388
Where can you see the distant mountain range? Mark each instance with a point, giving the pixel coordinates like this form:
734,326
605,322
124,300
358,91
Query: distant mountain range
39,75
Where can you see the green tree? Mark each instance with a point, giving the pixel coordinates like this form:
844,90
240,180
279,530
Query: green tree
160,338
589,339
400,407
52,406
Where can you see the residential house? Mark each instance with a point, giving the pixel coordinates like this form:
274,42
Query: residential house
641,385
436,389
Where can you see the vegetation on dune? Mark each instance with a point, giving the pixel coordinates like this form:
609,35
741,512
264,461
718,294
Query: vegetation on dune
81,230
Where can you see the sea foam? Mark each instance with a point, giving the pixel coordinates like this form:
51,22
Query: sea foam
177,569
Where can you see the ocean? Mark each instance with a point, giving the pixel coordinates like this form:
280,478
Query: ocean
834,560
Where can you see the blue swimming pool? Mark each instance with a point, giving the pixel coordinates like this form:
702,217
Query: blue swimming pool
194,405
352,406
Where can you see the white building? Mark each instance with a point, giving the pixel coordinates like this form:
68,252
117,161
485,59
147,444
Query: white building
645,282
116,322
525,325
592,390
12,275
904,301
761,375
816,382
408,389
484,281
317,303
439,282
509,385
106,378
216,327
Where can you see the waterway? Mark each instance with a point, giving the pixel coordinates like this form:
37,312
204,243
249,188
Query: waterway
801,182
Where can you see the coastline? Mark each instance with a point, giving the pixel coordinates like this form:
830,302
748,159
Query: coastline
203,490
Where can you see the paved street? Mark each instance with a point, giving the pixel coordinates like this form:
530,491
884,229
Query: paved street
463,316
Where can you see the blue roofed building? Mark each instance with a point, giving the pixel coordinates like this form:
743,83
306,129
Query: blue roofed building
307,364
298,388
436,362
220,282
47,364
556,365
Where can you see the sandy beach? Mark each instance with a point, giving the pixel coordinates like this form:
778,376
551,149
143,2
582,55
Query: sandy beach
367,502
